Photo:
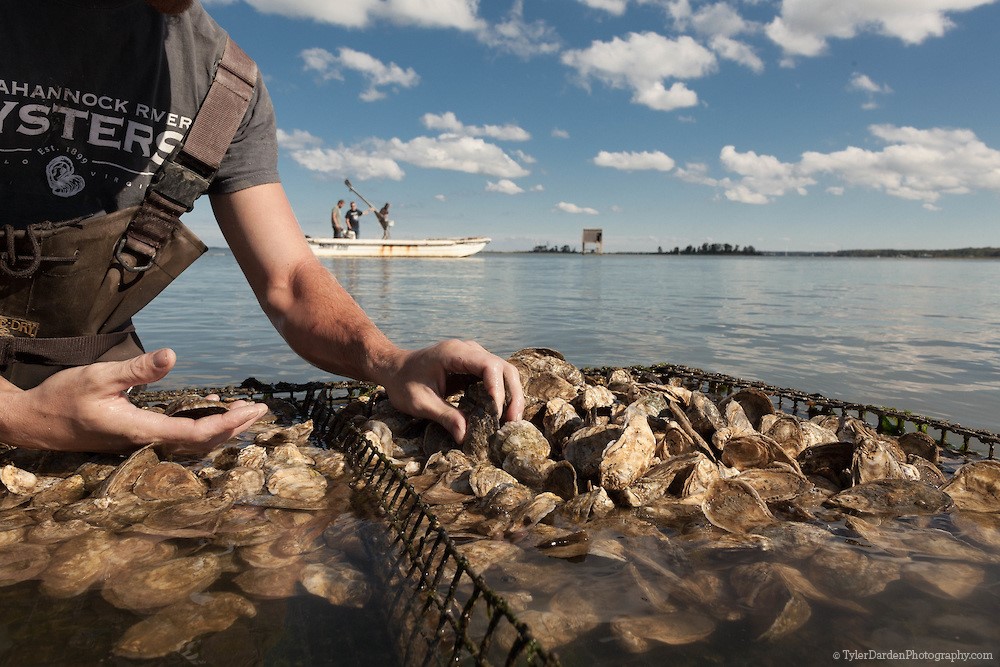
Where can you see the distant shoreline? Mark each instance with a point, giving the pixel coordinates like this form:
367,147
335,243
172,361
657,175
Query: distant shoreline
885,253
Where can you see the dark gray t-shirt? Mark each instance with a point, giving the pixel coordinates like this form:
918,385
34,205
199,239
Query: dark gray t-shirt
94,94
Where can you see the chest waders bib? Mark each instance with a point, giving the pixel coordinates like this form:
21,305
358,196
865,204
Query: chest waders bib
68,290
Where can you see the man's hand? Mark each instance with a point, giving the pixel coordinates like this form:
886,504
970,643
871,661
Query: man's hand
86,409
417,382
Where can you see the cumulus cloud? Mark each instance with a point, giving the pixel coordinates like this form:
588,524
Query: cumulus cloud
504,186
804,26
558,133
921,165
573,208
642,62
376,73
381,158
457,14
448,122
642,161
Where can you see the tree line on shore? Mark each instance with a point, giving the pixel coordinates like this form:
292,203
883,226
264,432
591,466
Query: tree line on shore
703,249
735,249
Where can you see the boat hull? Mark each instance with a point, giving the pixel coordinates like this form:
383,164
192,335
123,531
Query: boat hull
450,247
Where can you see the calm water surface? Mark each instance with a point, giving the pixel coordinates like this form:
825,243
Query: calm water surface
920,335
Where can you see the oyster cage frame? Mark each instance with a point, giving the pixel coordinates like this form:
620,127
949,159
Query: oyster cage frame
440,609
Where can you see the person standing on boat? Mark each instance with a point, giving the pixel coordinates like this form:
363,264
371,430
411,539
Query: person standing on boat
338,229
154,108
353,224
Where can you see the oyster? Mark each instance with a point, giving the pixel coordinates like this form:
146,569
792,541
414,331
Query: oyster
22,562
193,406
629,456
170,629
637,633
735,506
168,481
339,584
162,584
897,497
976,487
297,483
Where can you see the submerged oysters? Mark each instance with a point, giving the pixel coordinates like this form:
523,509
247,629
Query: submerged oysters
187,547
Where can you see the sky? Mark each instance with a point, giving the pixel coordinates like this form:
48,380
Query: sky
786,125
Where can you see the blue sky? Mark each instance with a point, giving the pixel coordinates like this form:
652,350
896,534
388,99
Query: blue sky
786,125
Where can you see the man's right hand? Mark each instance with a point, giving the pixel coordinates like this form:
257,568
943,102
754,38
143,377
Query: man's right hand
86,409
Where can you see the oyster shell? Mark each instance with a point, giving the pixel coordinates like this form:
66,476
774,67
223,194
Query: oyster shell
297,483
162,584
193,406
168,481
976,487
897,497
735,506
170,629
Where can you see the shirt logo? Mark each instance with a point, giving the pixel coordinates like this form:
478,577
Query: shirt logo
62,176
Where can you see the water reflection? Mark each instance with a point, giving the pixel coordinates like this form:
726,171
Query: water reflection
912,334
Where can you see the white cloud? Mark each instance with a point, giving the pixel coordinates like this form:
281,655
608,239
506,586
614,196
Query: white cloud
627,161
805,26
448,122
377,73
504,186
864,84
457,14
573,208
381,158
440,198
914,164
641,62
515,35
470,155
354,161
559,133
763,177
738,52
297,139
614,7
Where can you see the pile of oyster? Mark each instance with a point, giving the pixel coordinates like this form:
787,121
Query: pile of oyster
645,515
188,546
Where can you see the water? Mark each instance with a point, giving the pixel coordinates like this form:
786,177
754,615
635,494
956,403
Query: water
913,334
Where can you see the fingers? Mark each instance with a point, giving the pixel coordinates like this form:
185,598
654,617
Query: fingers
181,435
144,369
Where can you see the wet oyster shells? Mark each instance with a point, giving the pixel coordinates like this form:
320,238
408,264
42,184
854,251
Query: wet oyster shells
170,629
162,584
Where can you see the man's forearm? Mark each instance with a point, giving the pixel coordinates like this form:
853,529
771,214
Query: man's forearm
323,324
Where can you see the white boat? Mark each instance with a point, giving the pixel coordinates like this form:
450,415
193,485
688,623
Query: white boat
445,247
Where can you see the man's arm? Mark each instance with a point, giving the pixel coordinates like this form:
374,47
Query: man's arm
322,323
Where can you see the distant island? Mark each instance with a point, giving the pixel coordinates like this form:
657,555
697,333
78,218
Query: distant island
736,249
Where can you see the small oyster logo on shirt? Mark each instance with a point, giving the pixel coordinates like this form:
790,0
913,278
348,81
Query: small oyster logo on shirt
63,179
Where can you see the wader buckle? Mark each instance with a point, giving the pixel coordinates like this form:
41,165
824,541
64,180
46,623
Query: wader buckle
129,265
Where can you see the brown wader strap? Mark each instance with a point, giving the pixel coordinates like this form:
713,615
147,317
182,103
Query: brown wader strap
187,176
69,351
